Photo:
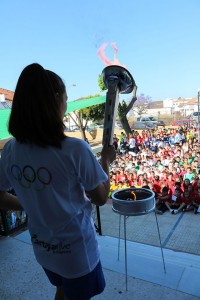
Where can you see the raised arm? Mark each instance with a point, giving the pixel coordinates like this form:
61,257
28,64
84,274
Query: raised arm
99,195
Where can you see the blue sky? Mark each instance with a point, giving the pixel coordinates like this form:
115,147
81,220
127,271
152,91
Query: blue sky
158,41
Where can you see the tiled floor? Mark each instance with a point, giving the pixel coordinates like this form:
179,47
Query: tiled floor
179,232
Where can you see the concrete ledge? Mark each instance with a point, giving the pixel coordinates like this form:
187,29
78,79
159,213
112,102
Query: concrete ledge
23,278
145,262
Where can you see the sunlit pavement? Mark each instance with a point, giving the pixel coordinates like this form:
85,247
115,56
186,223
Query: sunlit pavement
178,232
23,279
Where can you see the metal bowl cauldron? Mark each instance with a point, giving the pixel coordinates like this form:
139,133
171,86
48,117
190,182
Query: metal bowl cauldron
144,203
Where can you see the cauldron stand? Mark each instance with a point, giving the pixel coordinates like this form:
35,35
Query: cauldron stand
144,209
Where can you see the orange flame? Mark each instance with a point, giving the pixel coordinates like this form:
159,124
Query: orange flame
134,196
101,54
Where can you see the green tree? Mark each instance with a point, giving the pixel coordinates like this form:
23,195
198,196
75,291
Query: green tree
101,83
81,117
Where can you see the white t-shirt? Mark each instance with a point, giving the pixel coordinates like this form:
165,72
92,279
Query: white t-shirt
132,143
50,184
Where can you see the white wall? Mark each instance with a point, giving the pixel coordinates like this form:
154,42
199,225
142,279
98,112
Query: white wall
2,98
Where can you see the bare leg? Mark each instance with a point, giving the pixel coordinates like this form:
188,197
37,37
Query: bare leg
168,206
60,294
181,206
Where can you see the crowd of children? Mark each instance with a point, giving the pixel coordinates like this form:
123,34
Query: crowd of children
167,161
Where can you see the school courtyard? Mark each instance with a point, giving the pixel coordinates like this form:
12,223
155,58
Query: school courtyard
163,259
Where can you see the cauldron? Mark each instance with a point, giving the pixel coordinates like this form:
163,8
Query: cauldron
124,204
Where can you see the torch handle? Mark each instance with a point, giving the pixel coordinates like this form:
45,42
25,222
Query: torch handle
111,107
117,80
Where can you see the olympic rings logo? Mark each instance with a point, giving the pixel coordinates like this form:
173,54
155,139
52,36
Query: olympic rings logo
28,177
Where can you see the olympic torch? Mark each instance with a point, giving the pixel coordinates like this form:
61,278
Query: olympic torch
117,80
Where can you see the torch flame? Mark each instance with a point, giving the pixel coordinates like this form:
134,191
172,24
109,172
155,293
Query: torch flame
134,196
101,54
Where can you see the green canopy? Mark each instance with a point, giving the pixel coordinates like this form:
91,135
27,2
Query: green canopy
71,106
83,103
4,117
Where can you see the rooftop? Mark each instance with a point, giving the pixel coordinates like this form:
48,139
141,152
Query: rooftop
8,94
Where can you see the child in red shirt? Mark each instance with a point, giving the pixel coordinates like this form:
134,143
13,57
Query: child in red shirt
186,182
121,176
186,203
191,190
156,184
196,202
163,201
187,199
177,201
170,181
196,186
150,184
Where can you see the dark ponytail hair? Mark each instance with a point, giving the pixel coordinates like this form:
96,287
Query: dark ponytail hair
36,110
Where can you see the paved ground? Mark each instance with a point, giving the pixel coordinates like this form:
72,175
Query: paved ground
23,279
178,232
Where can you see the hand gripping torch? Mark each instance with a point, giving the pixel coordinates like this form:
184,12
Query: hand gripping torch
117,80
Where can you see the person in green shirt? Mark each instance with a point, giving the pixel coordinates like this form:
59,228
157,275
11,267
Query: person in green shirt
121,137
189,175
